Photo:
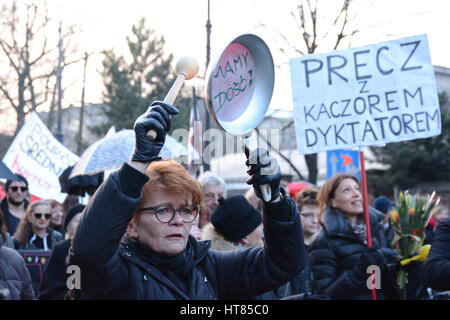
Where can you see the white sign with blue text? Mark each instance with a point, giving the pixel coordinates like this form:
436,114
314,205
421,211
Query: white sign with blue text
371,95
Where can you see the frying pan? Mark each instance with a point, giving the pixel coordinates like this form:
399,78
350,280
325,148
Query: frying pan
239,87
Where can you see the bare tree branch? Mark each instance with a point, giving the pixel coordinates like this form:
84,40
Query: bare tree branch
8,97
281,155
308,19
30,68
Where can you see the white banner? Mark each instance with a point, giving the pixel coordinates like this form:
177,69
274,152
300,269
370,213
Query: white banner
380,93
39,157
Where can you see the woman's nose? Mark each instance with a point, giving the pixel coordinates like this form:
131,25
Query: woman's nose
177,219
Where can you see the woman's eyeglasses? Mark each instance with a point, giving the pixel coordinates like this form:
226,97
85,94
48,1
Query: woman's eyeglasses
165,213
15,189
47,216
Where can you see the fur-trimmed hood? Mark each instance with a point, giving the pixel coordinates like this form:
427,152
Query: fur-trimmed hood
218,242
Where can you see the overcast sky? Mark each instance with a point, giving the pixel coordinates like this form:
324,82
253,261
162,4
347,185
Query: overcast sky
106,23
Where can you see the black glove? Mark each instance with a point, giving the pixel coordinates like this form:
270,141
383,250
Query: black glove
263,170
370,256
156,118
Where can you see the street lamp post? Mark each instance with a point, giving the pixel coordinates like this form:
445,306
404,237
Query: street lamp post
59,134
206,166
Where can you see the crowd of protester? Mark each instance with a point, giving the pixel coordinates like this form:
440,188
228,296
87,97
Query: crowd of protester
152,231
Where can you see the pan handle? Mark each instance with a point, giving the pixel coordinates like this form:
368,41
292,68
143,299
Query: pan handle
266,192
170,98
250,142
187,68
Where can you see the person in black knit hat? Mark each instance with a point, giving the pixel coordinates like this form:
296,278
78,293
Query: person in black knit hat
234,224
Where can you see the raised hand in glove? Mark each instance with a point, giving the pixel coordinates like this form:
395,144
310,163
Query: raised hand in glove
369,257
157,118
263,170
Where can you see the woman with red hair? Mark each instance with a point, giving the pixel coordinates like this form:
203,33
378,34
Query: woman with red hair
156,202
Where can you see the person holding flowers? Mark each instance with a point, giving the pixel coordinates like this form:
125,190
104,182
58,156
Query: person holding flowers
410,220
437,266
339,255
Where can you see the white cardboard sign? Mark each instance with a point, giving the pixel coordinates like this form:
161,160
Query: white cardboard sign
38,156
371,95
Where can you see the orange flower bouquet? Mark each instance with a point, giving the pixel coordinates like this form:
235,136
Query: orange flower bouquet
409,219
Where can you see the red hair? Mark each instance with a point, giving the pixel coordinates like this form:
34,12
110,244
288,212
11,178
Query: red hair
307,196
173,176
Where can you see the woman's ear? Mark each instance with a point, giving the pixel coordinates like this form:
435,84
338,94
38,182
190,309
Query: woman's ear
132,229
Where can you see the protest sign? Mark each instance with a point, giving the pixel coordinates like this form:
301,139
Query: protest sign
38,156
380,93
36,261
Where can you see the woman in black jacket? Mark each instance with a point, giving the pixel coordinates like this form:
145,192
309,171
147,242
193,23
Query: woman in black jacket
54,281
33,232
156,202
437,267
339,256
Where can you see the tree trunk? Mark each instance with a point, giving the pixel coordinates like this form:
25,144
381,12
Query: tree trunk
20,120
21,103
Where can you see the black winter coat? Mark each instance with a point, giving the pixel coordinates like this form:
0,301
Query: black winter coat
437,267
336,251
113,271
53,237
54,282
304,282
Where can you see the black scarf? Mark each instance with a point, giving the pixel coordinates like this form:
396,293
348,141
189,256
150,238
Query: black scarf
177,268
181,264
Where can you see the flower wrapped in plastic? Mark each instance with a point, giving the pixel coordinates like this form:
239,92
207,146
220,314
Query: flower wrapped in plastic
409,219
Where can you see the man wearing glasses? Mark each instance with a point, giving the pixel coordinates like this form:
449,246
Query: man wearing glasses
213,188
155,203
15,203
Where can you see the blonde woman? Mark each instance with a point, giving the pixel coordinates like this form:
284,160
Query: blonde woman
33,232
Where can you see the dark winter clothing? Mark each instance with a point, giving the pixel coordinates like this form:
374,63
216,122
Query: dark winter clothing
383,204
336,254
219,243
78,208
54,282
131,271
14,275
37,243
437,267
304,282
